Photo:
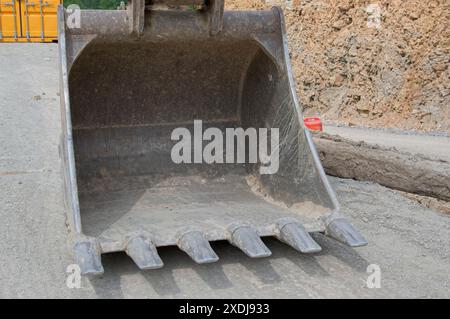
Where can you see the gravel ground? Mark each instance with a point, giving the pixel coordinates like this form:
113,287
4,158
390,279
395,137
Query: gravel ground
410,243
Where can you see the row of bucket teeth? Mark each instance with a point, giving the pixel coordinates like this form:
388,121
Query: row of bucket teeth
144,253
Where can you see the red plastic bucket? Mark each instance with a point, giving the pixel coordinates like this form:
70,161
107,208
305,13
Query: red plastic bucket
313,123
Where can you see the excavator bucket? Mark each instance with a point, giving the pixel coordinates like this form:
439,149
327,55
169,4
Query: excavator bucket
161,104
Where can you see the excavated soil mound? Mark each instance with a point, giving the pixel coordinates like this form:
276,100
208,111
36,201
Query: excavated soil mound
372,63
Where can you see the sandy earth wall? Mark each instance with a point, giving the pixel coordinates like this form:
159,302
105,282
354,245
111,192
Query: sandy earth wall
372,63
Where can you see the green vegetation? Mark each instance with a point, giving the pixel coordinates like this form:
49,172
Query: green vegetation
95,4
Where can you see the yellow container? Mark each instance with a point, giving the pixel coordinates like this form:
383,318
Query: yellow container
28,20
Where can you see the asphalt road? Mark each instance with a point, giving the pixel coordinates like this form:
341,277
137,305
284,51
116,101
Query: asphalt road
410,244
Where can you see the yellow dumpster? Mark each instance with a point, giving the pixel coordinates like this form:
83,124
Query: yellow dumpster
28,20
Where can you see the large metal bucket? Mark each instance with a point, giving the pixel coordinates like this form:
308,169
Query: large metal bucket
129,79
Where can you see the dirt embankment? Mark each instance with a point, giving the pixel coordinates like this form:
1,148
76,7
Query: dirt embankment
374,63
403,171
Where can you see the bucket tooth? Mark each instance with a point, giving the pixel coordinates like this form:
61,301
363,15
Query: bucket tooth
295,235
144,253
197,247
88,258
247,239
341,230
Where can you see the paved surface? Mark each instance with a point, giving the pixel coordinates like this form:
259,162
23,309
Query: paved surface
411,244
433,146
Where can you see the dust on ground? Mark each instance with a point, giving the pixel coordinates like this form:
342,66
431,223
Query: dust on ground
313,210
435,204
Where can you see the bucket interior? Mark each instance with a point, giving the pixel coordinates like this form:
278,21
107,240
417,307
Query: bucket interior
127,97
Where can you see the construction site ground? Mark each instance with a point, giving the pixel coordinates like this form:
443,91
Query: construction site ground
435,146
410,243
